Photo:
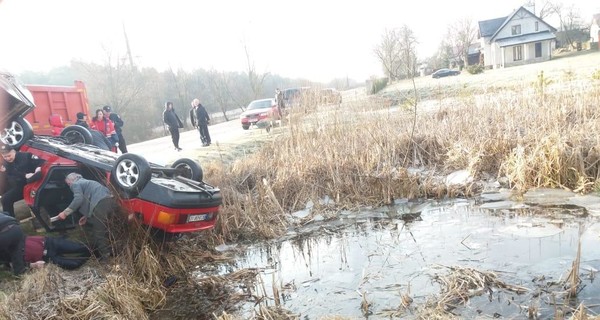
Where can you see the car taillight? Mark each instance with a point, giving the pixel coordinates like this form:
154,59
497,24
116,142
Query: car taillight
166,217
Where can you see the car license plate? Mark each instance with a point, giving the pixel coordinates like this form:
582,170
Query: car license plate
253,119
197,217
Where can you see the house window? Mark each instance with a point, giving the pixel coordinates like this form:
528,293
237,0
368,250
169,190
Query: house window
516,30
537,26
517,53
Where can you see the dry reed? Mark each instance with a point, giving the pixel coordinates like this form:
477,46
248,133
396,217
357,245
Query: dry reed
362,153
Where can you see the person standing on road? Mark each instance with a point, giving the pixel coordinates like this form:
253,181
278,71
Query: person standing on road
118,122
82,120
200,119
21,168
171,119
97,205
101,123
280,103
12,243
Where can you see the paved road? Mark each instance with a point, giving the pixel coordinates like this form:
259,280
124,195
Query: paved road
228,139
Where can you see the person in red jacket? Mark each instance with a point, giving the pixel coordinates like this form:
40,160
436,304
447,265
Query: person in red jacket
107,127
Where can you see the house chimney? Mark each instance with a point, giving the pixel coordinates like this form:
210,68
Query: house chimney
530,5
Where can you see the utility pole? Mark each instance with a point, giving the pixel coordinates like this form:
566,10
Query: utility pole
129,55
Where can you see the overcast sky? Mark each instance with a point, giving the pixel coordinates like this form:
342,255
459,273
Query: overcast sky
313,39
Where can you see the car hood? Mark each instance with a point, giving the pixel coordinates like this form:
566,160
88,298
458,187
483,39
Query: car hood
15,99
252,112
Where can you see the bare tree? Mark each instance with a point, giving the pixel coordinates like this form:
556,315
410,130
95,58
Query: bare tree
460,35
569,18
255,79
387,53
545,11
407,51
219,86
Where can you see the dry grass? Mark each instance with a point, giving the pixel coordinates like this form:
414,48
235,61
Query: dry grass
361,153
538,133
459,286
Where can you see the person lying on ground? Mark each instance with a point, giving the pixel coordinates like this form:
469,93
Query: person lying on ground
64,253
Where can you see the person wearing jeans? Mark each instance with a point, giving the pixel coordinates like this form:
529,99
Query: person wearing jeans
65,253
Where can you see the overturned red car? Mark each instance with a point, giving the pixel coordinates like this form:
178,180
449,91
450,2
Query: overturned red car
171,200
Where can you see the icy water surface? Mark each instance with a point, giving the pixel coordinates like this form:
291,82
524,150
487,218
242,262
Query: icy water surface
326,268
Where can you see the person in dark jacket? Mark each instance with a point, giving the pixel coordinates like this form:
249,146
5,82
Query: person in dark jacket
171,119
200,119
118,127
82,120
97,205
21,168
64,253
12,243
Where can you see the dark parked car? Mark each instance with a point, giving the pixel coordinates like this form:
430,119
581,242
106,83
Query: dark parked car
444,73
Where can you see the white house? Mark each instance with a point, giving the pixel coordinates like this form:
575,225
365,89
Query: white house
595,28
519,38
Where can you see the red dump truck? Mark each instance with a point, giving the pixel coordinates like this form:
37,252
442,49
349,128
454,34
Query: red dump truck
36,109
55,103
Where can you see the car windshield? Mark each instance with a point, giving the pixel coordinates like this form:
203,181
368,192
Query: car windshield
260,104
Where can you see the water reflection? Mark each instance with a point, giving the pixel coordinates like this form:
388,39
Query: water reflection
323,269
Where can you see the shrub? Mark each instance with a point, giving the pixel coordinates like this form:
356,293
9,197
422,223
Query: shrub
475,69
596,74
378,85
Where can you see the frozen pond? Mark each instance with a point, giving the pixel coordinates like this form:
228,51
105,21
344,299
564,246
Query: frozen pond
325,268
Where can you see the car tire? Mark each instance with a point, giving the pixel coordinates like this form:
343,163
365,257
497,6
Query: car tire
76,134
130,174
245,127
188,168
18,133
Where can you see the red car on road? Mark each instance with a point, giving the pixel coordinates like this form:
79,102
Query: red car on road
260,111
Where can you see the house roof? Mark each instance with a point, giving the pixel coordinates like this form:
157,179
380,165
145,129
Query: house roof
487,28
492,27
526,38
513,14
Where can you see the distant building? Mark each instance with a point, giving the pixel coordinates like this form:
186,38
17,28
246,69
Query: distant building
595,28
517,39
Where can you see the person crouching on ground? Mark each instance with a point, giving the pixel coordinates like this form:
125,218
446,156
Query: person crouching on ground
21,168
97,205
12,243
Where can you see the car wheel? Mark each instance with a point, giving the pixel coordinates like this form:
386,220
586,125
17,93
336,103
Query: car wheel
131,173
18,133
188,168
245,126
76,134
